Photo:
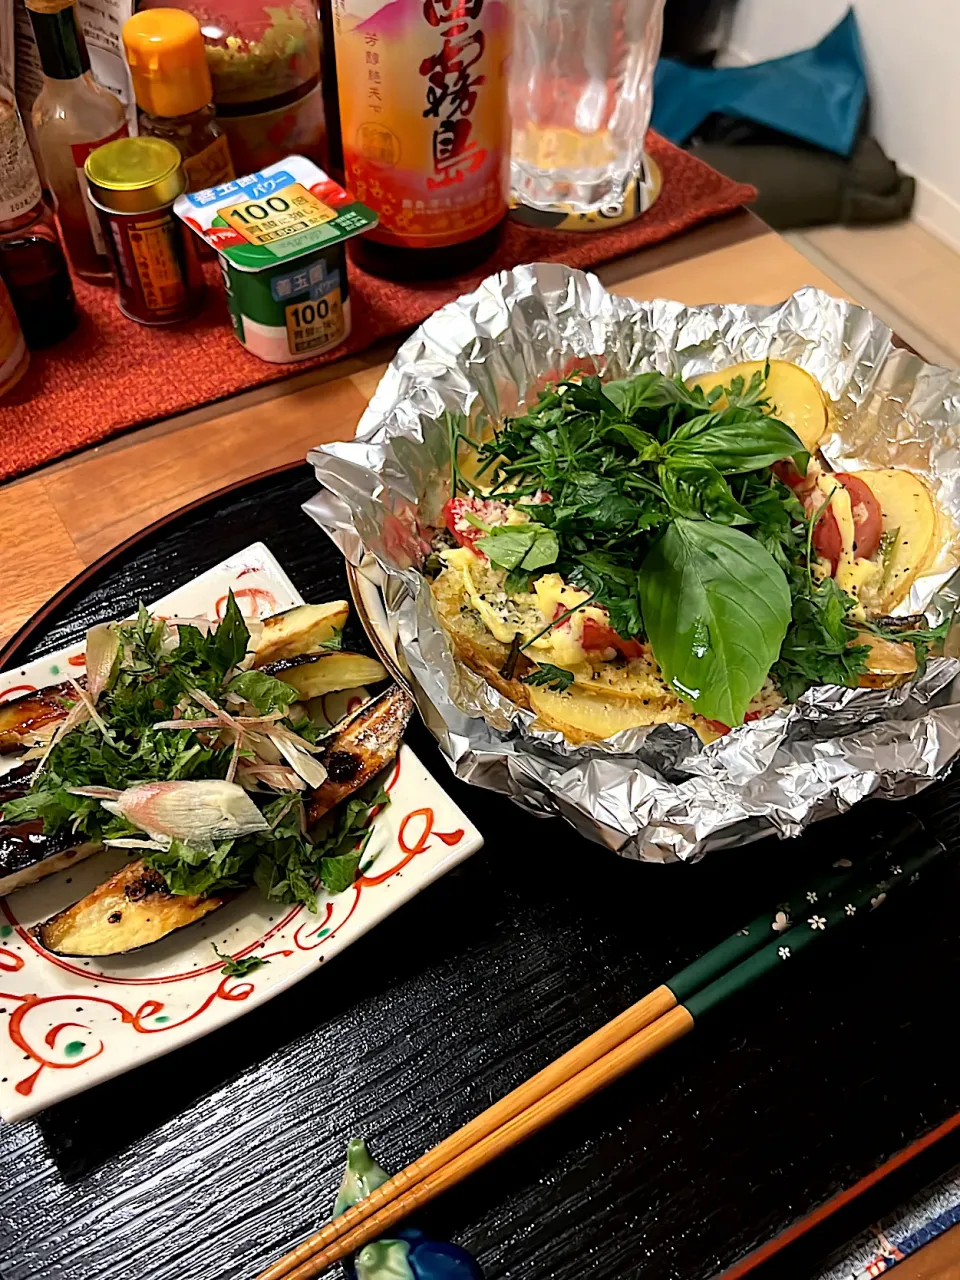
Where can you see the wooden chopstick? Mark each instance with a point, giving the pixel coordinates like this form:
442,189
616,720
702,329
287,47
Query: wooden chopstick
616,1048
594,1077
640,1015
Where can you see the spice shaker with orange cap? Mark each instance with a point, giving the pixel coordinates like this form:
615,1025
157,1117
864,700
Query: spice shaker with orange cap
172,86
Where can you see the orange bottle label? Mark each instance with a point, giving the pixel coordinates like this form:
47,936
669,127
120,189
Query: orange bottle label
210,167
423,108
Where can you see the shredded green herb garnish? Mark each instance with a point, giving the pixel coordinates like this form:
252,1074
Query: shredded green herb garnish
166,675
238,966
550,677
667,510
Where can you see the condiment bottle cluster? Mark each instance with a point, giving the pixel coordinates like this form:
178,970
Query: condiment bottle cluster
220,161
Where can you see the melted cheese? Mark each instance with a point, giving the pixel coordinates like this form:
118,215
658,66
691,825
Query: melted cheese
526,612
502,615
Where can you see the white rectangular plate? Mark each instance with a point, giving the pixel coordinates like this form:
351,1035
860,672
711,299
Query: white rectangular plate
67,1024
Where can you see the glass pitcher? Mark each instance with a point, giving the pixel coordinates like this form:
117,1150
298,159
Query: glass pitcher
581,93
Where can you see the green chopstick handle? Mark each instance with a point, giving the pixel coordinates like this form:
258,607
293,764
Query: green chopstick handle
765,927
863,895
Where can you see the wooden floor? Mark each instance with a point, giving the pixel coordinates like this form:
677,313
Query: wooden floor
902,273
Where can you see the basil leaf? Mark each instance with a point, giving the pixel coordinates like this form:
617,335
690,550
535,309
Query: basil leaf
506,545
651,391
520,546
716,608
701,493
735,441
587,394
646,445
267,693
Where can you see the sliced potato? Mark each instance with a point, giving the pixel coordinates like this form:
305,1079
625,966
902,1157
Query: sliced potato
299,630
888,662
329,672
909,512
795,395
584,717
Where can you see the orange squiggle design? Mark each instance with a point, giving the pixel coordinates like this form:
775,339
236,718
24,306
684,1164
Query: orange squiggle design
419,845
255,595
10,962
149,1009
16,690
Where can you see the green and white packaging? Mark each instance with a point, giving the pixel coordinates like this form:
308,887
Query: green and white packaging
279,236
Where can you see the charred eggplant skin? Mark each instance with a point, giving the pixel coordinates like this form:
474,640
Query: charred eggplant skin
361,749
27,855
16,783
23,720
130,910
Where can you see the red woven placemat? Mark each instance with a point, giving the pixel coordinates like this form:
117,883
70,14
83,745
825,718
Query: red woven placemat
111,374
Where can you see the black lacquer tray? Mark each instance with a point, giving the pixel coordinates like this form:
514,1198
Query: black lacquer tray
207,1164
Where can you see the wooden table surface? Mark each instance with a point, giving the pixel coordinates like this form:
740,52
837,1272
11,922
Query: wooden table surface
61,518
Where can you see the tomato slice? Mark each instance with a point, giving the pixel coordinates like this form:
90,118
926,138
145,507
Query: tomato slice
719,727
786,471
867,515
485,509
597,636
827,539
867,523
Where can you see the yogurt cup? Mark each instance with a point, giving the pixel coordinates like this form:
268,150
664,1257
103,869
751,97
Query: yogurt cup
279,236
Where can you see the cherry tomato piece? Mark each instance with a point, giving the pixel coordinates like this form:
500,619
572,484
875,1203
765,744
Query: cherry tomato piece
486,510
827,540
597,636
867,515
719,727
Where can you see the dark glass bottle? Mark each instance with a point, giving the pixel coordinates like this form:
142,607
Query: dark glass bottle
72,116
32,262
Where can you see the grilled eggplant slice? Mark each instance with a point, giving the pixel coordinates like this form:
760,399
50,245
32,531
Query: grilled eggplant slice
314,675
298,630
16,782
134,908
30,721
130,910
366,744
27,855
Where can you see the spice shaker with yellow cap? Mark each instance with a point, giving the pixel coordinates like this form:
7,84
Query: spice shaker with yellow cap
133,183
171,82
